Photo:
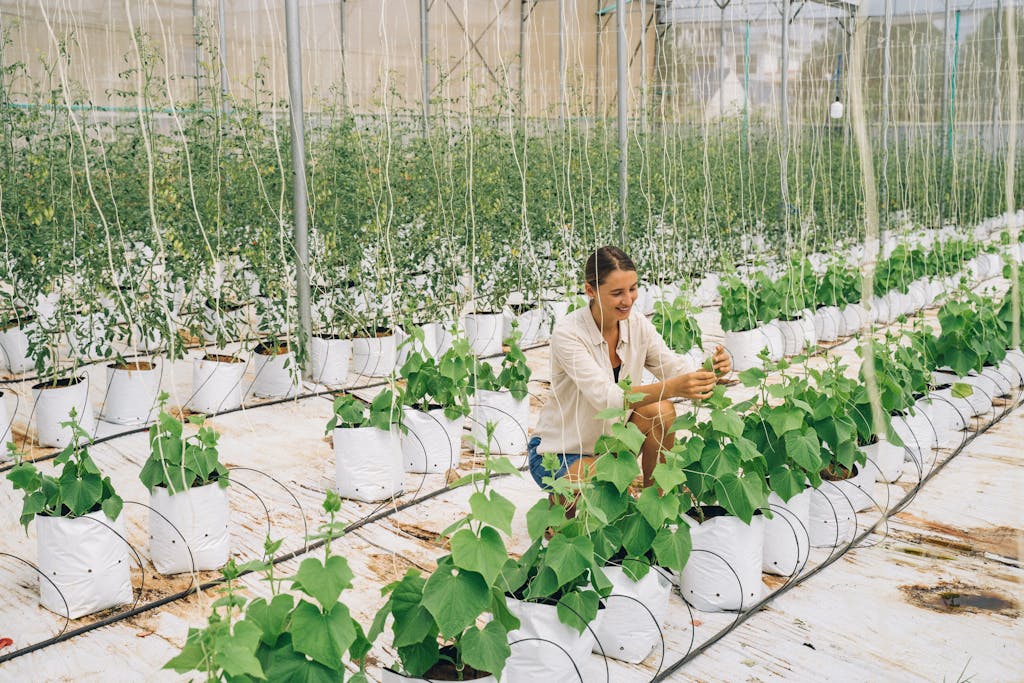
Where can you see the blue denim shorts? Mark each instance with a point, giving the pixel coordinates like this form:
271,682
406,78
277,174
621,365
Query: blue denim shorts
537,469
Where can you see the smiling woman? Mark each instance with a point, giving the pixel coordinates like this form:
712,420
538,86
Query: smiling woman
592,349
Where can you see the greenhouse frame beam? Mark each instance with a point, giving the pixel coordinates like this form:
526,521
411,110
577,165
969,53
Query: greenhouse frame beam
424,66
299,196
473,43
344,55
623,112
784,117
886,76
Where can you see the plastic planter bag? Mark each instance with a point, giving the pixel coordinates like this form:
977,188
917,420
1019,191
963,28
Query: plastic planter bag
885,460
201,515
724,569
786,544
367,463
86,558
543,648
432,443
510,417
631,623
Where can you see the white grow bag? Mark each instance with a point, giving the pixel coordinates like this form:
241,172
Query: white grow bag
511,418
949,415
743,348
367,463
277,375
86,558
776,340
534,325
53,405
786,543
828,323
985,389
375,356
918,437
131,396
432,443
484,332
195,521
792,336
330,359
6,426
1015,359
855,319
545,649
724,569
1009,372
632,622
216,385
886,460
14,350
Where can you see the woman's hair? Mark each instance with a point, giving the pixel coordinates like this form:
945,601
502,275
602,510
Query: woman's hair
603,261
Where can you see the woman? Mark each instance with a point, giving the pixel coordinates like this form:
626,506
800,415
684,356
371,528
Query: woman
591,350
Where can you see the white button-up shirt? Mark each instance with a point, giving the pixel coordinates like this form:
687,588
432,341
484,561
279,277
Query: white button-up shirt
582,383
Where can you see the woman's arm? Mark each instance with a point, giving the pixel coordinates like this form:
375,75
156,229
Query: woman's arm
694,385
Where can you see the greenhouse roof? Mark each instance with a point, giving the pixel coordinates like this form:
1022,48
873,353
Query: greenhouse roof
674,11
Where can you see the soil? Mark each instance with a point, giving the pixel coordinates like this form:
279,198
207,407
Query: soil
519,309
958,598
446,671
62,382
221,358
268,350
837,473
133,366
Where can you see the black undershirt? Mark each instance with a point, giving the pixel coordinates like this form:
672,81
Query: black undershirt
615,372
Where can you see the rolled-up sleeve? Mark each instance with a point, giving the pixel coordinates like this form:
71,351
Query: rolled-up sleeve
595,386
662,361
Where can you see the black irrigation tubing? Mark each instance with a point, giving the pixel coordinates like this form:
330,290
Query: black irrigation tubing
742,617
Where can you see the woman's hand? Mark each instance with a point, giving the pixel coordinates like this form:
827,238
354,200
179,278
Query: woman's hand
722,361
695,385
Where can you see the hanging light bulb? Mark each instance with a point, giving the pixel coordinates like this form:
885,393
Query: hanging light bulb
835,110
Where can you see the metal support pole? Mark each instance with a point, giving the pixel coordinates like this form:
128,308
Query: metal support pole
424,47
299,180
886,75
622,62
721,62
784,118
344,56
224,85
561,64
643,65
597,67
195,48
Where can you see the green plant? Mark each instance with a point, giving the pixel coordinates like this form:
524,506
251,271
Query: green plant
841,418
349,412
972,335
178,462
283,638
444,381
739,305
676,324
717,463
514,374
435,619
79,490
838,286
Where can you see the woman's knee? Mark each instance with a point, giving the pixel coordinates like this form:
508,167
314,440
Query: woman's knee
654,415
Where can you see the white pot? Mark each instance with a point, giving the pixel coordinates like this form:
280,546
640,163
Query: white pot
634,616
557,310
216,385
786,543
432,443
375,356
85,560
277,375
484,332
776,340
936,288
330,358
949,415
882,309
1002,383
190,529
53,406
918,436
707,291
645,299
510,416
532,324
149,341
724,569
828,323
792,336
432,333
1015,358
6,426
543,648
14,350
919,295
1010,372
743,348
833,509
367,463
855,319
131,396
984,389
887,459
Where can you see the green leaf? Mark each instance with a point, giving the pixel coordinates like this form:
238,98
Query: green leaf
543,515
237,655
630,435
727,422
417,658
484,554
284,663
961,390
24,476
270,617
784,419
752,377
740,496
493,509
803,449
668,477
637,534
455,597
657,509
323,636
323,581
568,557
620,470
486,649
413,623
578,608
80,494
672,547
611,414
112,507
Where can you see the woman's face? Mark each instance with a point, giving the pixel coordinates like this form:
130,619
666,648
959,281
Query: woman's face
615,298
